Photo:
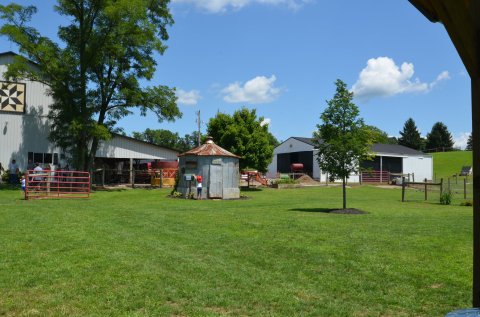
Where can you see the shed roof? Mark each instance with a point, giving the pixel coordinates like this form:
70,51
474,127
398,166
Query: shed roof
209,148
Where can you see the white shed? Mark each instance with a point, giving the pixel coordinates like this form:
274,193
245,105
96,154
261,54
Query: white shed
391,158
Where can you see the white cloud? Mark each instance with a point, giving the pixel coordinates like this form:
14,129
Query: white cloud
257,90
189,98
382,78
460,139
265,122
219,6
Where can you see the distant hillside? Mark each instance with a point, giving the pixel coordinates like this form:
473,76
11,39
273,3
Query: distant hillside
446,164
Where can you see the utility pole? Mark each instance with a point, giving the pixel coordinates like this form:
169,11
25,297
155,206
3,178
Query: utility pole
199,123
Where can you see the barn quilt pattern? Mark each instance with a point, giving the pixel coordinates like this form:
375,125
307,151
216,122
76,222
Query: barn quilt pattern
12,97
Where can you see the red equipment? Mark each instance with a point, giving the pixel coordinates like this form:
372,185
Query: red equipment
296,167
57,184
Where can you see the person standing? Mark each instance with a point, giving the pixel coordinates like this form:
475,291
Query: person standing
199,187
13,172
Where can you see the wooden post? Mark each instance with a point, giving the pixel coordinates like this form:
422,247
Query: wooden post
448,182
464,188
131,171
381,169
476,182
441,186
103,177
413,177
161,178
425,188
403,189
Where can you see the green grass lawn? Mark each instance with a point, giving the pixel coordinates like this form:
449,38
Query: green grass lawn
446,164
139,253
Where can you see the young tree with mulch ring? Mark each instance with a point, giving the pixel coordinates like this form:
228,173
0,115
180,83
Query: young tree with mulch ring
342,139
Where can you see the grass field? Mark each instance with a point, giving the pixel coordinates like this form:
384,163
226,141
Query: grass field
446,164
278,253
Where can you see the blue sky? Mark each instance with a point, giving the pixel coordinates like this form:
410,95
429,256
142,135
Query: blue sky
282,58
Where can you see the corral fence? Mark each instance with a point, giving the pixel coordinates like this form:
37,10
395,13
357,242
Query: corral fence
458,187
111,177
56,184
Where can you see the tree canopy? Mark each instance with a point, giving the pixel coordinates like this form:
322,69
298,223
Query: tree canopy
245,135
342,139
94,74
168,139
439,139
410,136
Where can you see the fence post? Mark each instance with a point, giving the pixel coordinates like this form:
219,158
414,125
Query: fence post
413,177
441,186
103,177
403,189
448,182
425,180
132,175
464,188
161,178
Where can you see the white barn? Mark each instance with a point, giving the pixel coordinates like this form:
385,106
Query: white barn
391,158
24,129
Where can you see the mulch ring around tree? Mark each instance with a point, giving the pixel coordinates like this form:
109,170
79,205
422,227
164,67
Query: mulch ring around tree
348,211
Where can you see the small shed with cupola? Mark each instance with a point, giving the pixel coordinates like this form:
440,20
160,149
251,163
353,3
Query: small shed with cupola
218,167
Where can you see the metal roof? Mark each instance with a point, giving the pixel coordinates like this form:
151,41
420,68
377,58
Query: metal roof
209,148
376,148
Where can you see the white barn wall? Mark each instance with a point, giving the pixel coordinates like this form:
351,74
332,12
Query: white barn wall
21,133
288,146
421,166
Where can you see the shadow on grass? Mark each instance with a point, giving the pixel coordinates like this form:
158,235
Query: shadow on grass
250,189
348,211
9,187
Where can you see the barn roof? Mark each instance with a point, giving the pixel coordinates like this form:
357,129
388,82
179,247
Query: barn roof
376,148
394,149
209,148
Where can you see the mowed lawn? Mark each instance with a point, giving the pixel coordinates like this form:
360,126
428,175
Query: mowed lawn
139,253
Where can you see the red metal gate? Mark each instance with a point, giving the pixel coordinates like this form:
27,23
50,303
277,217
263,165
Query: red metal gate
57,184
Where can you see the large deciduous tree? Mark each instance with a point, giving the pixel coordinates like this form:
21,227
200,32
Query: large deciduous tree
245,135
94,74
342,139
439,139
410,136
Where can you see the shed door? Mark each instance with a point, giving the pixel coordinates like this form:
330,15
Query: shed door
215,183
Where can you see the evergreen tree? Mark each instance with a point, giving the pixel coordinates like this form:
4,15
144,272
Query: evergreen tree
469,146
410,136
439,139
342,139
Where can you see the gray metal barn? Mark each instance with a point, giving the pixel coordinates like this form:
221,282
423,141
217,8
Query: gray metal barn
218,167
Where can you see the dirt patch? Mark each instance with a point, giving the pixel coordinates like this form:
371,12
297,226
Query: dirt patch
307,180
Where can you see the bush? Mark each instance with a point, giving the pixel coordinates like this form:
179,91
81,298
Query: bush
285,181
466,203
446,198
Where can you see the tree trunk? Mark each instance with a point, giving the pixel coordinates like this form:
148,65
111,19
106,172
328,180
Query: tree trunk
344,193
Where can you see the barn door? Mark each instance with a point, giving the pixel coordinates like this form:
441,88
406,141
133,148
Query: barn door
215,182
